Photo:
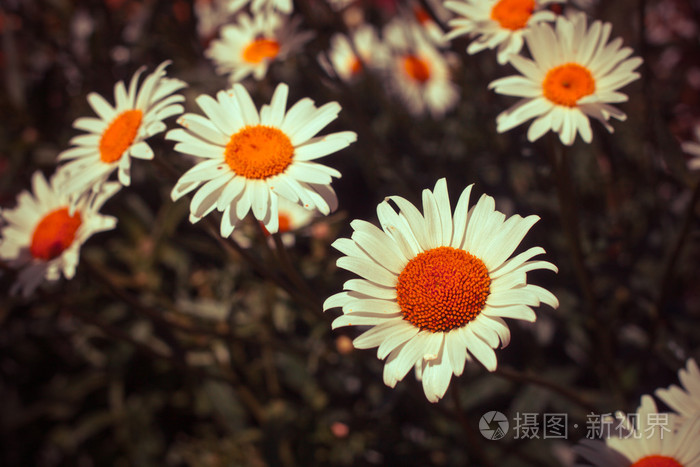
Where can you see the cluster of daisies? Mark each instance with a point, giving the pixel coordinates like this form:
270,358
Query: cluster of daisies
573,72
648,437
435,286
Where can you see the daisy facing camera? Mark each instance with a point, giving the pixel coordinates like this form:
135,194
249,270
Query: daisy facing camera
436,286
251,158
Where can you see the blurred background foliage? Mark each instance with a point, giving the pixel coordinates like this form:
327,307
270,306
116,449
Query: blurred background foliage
170,347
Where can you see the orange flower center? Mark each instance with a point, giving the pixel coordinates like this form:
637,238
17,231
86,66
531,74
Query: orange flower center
54,233
442,289
513,14
259,152
416,68
119,135
355,66
261,49
566,84
285,223
657,461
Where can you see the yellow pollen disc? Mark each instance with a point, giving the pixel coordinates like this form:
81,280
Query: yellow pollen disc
261,49
416,68
119,135
513,14
54,234
259,152
657,461
442,289
566,84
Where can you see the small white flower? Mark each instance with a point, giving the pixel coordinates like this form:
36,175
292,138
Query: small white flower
43,234
417,72
575,74
121,131
250,46
252,159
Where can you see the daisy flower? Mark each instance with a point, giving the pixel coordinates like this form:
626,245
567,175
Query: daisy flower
248,47
684,400
647,439
435,287
575,75
693,148
41,236
347,60
121,131
284,6
417,72
251,159
497,23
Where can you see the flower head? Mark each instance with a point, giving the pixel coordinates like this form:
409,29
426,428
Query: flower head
250,46
121,131
646,439
575,74
251,158
44,232
417,72
497,23
435,287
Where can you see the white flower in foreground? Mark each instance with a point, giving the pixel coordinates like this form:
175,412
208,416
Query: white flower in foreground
436,287
250,46
684,400
347,62
251,159
575,75
693,148
41,236
647,439
417,72
285,6
497,23
121,131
